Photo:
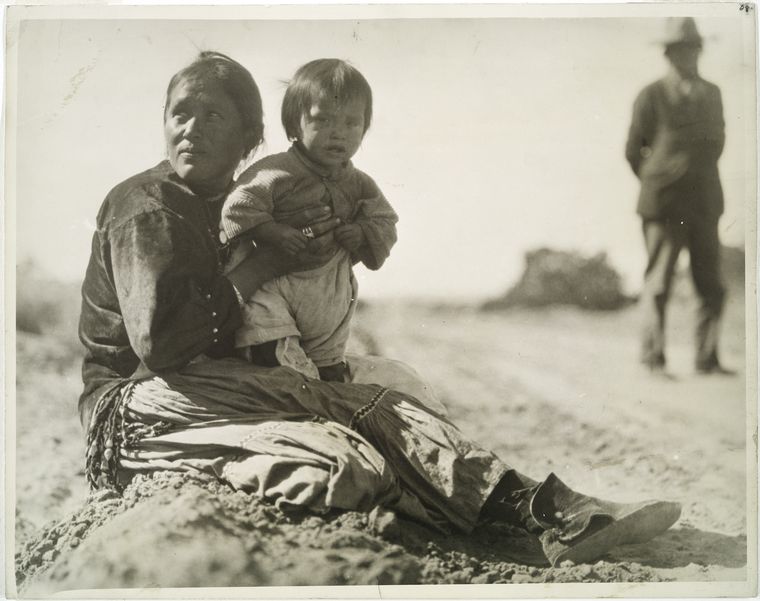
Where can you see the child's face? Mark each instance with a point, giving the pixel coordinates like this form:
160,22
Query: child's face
331,132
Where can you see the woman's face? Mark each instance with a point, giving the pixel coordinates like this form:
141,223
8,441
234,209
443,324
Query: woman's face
204,135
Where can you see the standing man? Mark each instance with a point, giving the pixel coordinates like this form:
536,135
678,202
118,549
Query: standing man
675,139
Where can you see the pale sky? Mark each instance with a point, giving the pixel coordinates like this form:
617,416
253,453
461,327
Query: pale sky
490,137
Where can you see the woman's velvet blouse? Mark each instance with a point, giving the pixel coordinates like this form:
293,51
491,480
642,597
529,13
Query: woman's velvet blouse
153,293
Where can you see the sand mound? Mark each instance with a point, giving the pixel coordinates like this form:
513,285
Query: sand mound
213,537
180,530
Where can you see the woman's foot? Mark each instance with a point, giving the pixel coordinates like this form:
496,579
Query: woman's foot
581,529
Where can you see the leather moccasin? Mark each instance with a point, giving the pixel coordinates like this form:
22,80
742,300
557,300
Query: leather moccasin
581,528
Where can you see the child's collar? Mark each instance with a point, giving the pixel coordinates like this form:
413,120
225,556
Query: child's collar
335,173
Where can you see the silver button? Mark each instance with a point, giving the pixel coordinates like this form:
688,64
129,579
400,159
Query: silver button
213,314
215,330
208,297
216,340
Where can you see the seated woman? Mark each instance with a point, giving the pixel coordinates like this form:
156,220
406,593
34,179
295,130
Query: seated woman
163,391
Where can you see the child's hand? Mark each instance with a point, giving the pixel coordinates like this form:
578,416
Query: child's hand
350,236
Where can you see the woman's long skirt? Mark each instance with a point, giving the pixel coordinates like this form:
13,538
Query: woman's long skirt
382,440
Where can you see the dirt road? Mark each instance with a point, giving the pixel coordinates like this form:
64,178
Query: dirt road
562,391
556,390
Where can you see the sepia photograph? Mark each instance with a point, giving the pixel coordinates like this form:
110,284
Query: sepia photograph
512,250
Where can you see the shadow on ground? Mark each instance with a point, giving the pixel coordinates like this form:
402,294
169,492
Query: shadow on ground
680,547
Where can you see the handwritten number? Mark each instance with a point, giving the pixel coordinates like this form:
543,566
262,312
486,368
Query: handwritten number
746,8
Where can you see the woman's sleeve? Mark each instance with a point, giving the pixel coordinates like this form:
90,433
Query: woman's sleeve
378,222
175,305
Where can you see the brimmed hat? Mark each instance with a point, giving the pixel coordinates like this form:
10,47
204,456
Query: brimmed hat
680,30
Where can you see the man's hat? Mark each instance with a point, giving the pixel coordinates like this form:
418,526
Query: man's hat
680,30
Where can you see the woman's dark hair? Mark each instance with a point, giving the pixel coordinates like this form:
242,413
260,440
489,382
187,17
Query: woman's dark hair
324,77
238,84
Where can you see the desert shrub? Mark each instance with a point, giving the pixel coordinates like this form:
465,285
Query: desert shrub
45,305
34,314
553,277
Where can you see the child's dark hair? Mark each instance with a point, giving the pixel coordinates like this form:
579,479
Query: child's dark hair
238,84
329,77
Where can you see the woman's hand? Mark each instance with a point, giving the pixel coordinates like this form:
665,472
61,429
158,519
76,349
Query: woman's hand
281,236
320,223
267,262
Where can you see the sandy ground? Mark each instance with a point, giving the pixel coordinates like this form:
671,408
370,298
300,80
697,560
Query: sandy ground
556,390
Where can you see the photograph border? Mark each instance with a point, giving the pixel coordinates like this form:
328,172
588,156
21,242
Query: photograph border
16,14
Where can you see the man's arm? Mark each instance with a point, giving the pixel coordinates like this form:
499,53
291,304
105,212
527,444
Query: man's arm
641,133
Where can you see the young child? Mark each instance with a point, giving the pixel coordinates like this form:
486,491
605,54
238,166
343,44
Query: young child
302,319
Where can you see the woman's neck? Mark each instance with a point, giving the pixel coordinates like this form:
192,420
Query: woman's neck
210,189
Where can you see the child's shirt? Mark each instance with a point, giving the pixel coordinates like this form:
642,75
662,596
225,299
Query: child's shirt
280,186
